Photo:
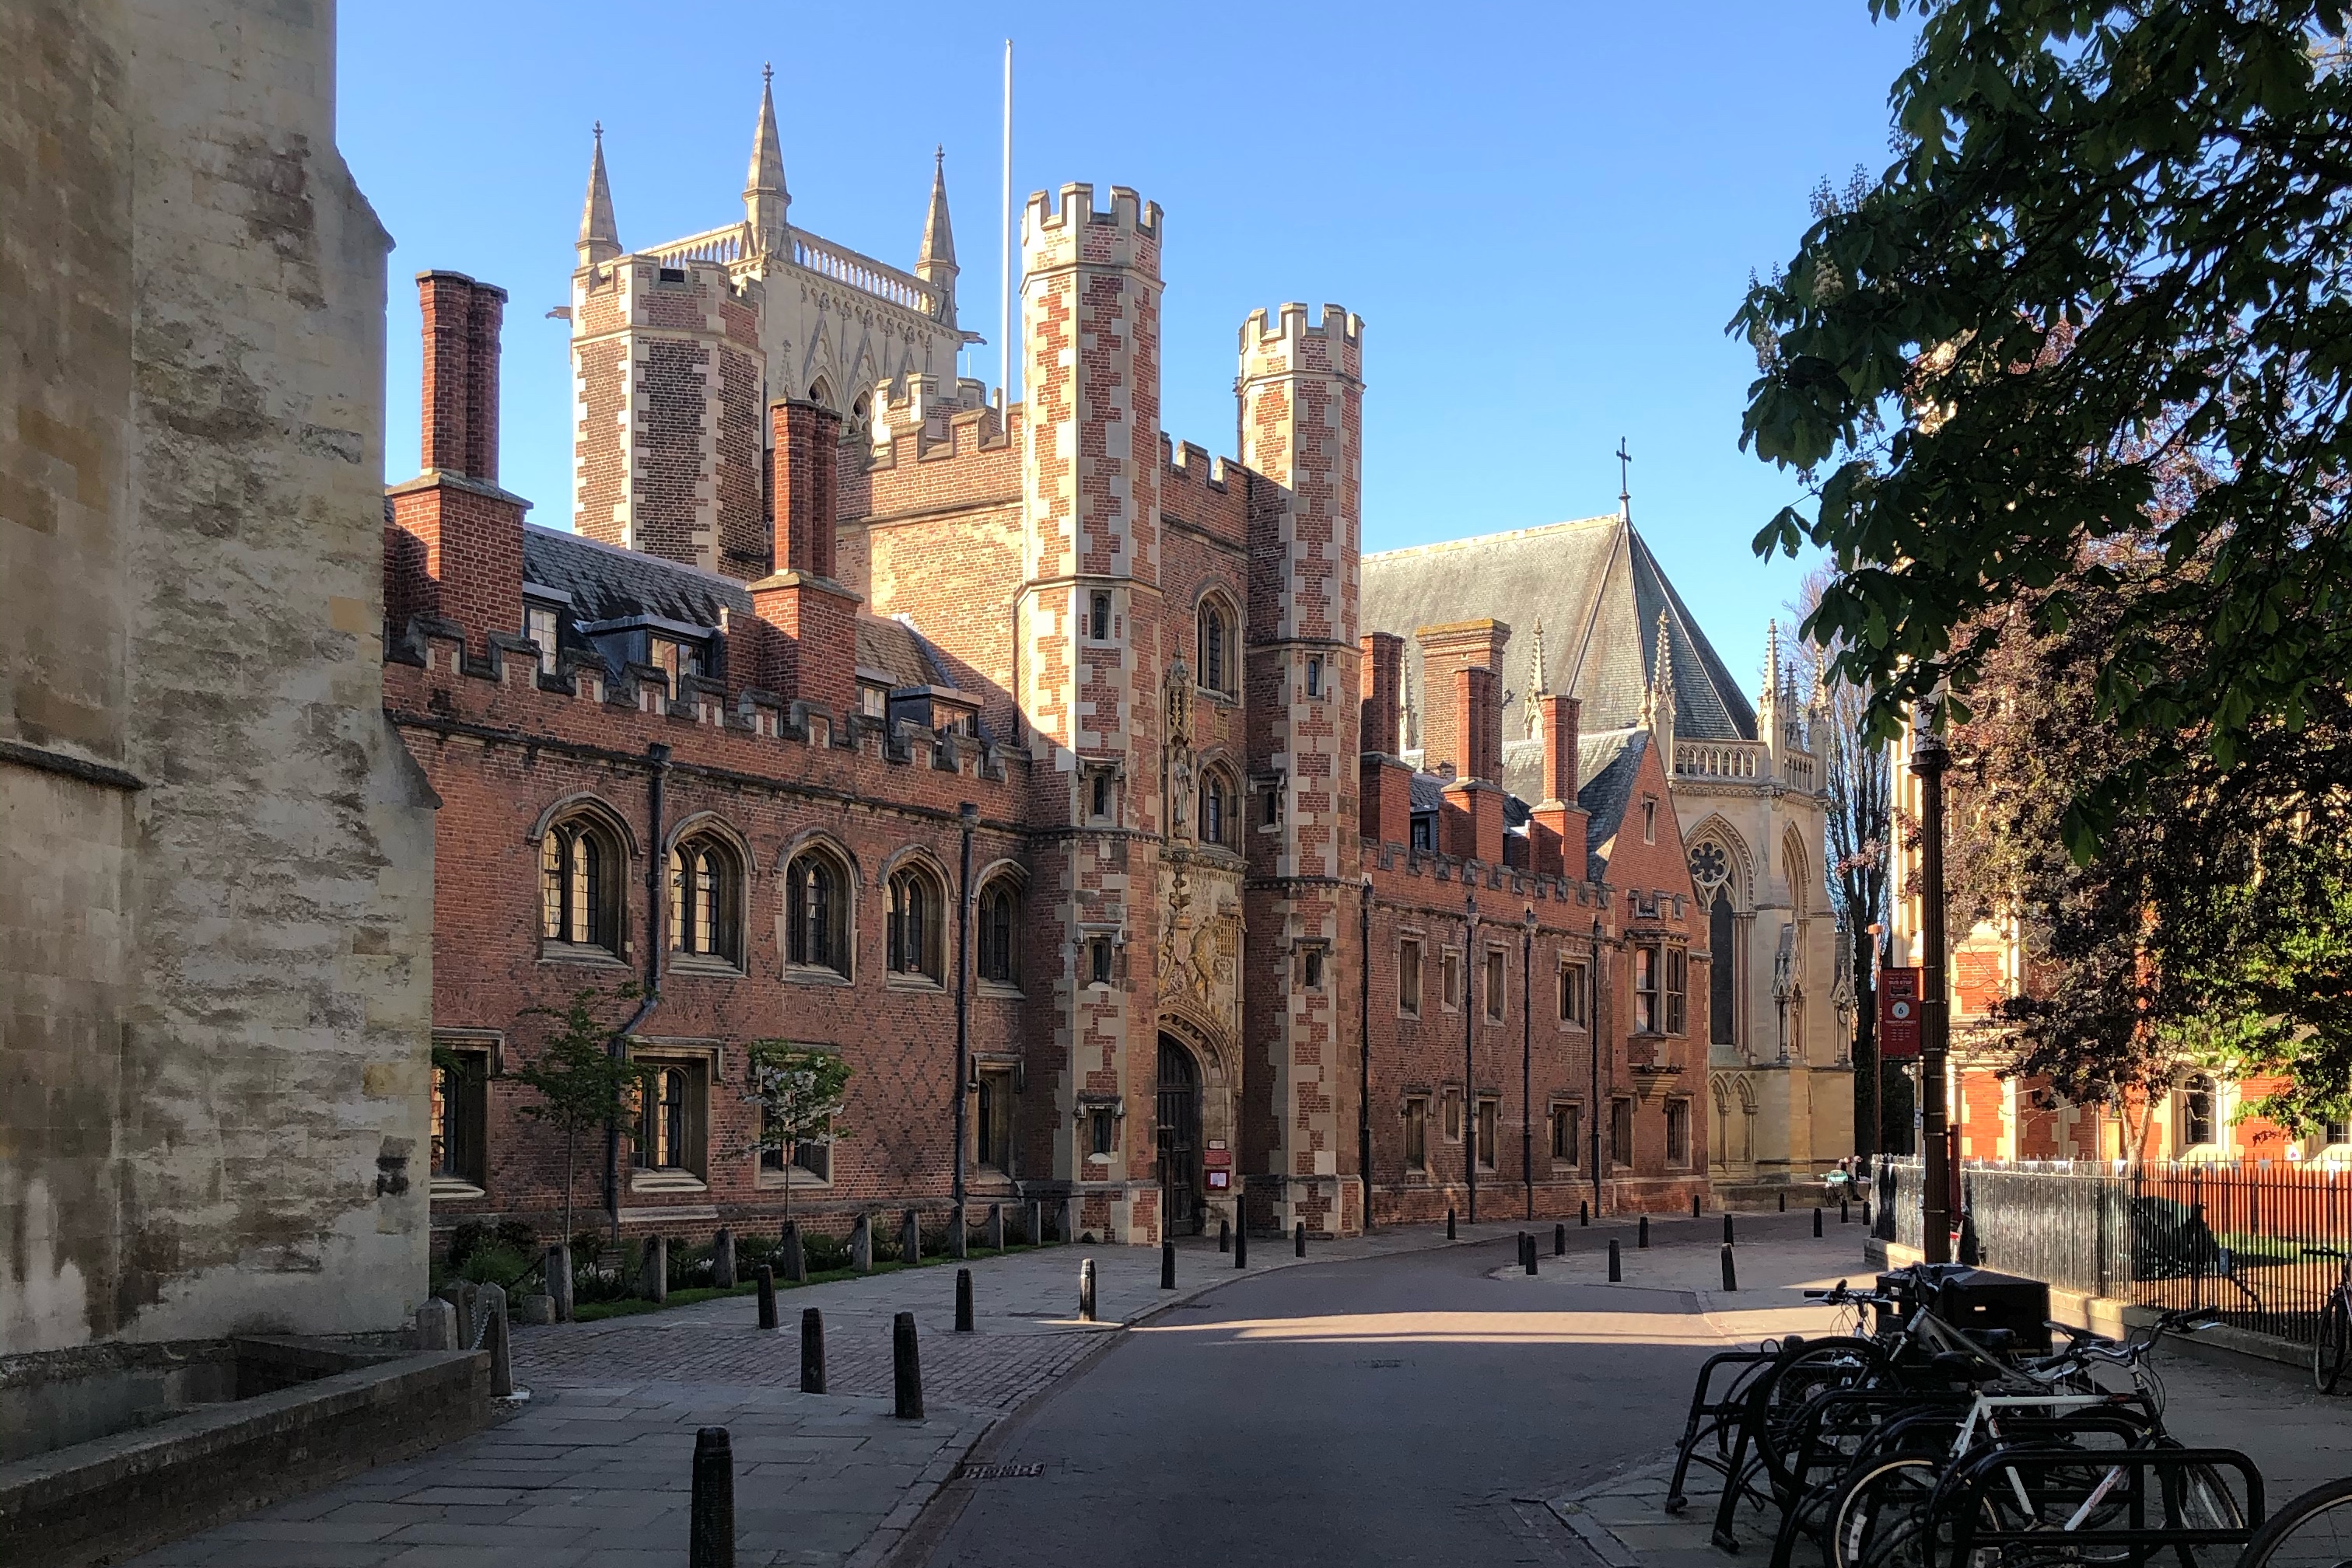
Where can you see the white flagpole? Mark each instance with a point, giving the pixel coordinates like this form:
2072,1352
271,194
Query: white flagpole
1004,355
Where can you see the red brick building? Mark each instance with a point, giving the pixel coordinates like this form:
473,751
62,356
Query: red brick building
1023,726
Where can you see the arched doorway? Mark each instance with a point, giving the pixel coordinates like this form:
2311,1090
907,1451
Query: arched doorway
1180,1140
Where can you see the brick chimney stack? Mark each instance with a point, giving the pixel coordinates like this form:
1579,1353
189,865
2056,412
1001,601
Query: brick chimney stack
1478,700
809,653
1447,733
1384,783
1383,666
454,549
1556,834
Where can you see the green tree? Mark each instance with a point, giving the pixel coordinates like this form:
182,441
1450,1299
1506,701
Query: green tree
582,1075
2115,239
799,1093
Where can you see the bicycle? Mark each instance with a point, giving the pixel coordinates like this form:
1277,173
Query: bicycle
2313,1531
2331,1349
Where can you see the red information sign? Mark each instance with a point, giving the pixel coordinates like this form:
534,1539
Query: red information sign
1215,1157
1898,1013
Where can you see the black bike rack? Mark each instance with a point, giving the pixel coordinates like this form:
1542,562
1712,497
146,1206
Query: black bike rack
1962,1497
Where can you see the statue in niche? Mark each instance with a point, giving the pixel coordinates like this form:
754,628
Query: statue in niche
1176,712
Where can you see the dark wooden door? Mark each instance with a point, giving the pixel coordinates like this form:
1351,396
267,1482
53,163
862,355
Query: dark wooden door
1180,1140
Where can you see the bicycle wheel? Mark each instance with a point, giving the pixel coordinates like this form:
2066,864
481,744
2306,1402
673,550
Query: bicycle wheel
1881,1520
2314,1530
2328,1351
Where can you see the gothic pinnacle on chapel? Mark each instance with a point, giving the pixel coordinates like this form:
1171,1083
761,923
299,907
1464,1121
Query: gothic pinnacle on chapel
600,236
937,263
766,202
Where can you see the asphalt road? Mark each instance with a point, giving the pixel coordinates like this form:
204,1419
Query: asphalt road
1413,1409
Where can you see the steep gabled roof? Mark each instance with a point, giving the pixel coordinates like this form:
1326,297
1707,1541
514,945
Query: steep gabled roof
1598,591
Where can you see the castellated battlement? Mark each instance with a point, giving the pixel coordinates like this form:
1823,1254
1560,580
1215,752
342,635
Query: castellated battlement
1068,231
502,689
1289,343
914,417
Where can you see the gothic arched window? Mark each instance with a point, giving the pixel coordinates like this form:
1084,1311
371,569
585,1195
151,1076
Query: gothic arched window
1000,923
706,898
579,863
816,910
1218,802
917,904
1216,648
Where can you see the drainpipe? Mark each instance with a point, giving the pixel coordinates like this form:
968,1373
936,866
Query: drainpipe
1528,1058
1469,1025
657,942
1364,1057
966,816
1593,1035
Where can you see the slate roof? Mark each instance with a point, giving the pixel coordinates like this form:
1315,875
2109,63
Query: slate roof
1597,591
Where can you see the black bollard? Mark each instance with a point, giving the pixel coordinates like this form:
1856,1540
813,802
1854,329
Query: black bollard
963,1302
710,1519
1086,1290
1559,1241
1167,1265
795,1255
1225,1236
1299,1239
1527,1249
1817,1220
1449,1224
1616,1269
1730,1276
1841,1213
767,1296
812,1351
906,1368
1583,1212
1726,1229
1865,1213
1784,1203
1642,1235
1693,1205
1240,1247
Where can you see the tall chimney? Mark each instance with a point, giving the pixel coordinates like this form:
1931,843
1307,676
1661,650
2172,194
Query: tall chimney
809,649
1383,666
1556,833
1446,733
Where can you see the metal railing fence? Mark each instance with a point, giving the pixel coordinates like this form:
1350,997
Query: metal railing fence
2234,1237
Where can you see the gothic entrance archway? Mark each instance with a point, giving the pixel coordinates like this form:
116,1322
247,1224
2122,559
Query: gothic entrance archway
1180,1140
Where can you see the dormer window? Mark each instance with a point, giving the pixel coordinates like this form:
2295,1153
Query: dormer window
675,658
873,701
540,623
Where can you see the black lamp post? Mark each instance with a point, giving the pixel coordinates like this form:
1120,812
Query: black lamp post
1930,758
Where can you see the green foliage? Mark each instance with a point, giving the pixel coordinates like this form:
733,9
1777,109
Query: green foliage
582,1076
2114,248
798,1093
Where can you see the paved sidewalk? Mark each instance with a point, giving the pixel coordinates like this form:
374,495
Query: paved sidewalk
2297,1438
593,1470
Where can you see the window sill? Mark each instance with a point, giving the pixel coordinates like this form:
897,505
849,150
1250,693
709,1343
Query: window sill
1000,989
668,1181
898,980
1408,1017
572,952
813,975
777,1180
704,964
455,1189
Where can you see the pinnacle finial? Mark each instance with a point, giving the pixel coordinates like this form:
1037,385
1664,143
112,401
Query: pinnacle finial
600,236
767,72
766,202
937,263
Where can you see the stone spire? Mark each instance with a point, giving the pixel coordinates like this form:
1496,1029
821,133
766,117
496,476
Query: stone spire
1658,701
600,236
937,265
1767,707
766,203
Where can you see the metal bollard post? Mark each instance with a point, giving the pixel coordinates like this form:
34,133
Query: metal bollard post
767,1296
1730,1275
996,1227
710,1519
1241,1246
1225,1236
1817,1220
1784,1203
1865,1213
1298,1240
1559,1241
812,1351
1693,1205
795,1254
910,1240
559,1279
722,1259
1166,1264
1583,1212
1616,1267
906,1368
1726,1230
1037,1223
1527,1249
1086,1289
1642,1235
1841,1213
959,1233
1449,1224
963,1302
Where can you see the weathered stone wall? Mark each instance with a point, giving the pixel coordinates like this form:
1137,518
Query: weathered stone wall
215,953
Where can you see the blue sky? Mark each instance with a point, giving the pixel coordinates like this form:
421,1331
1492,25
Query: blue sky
1543,213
